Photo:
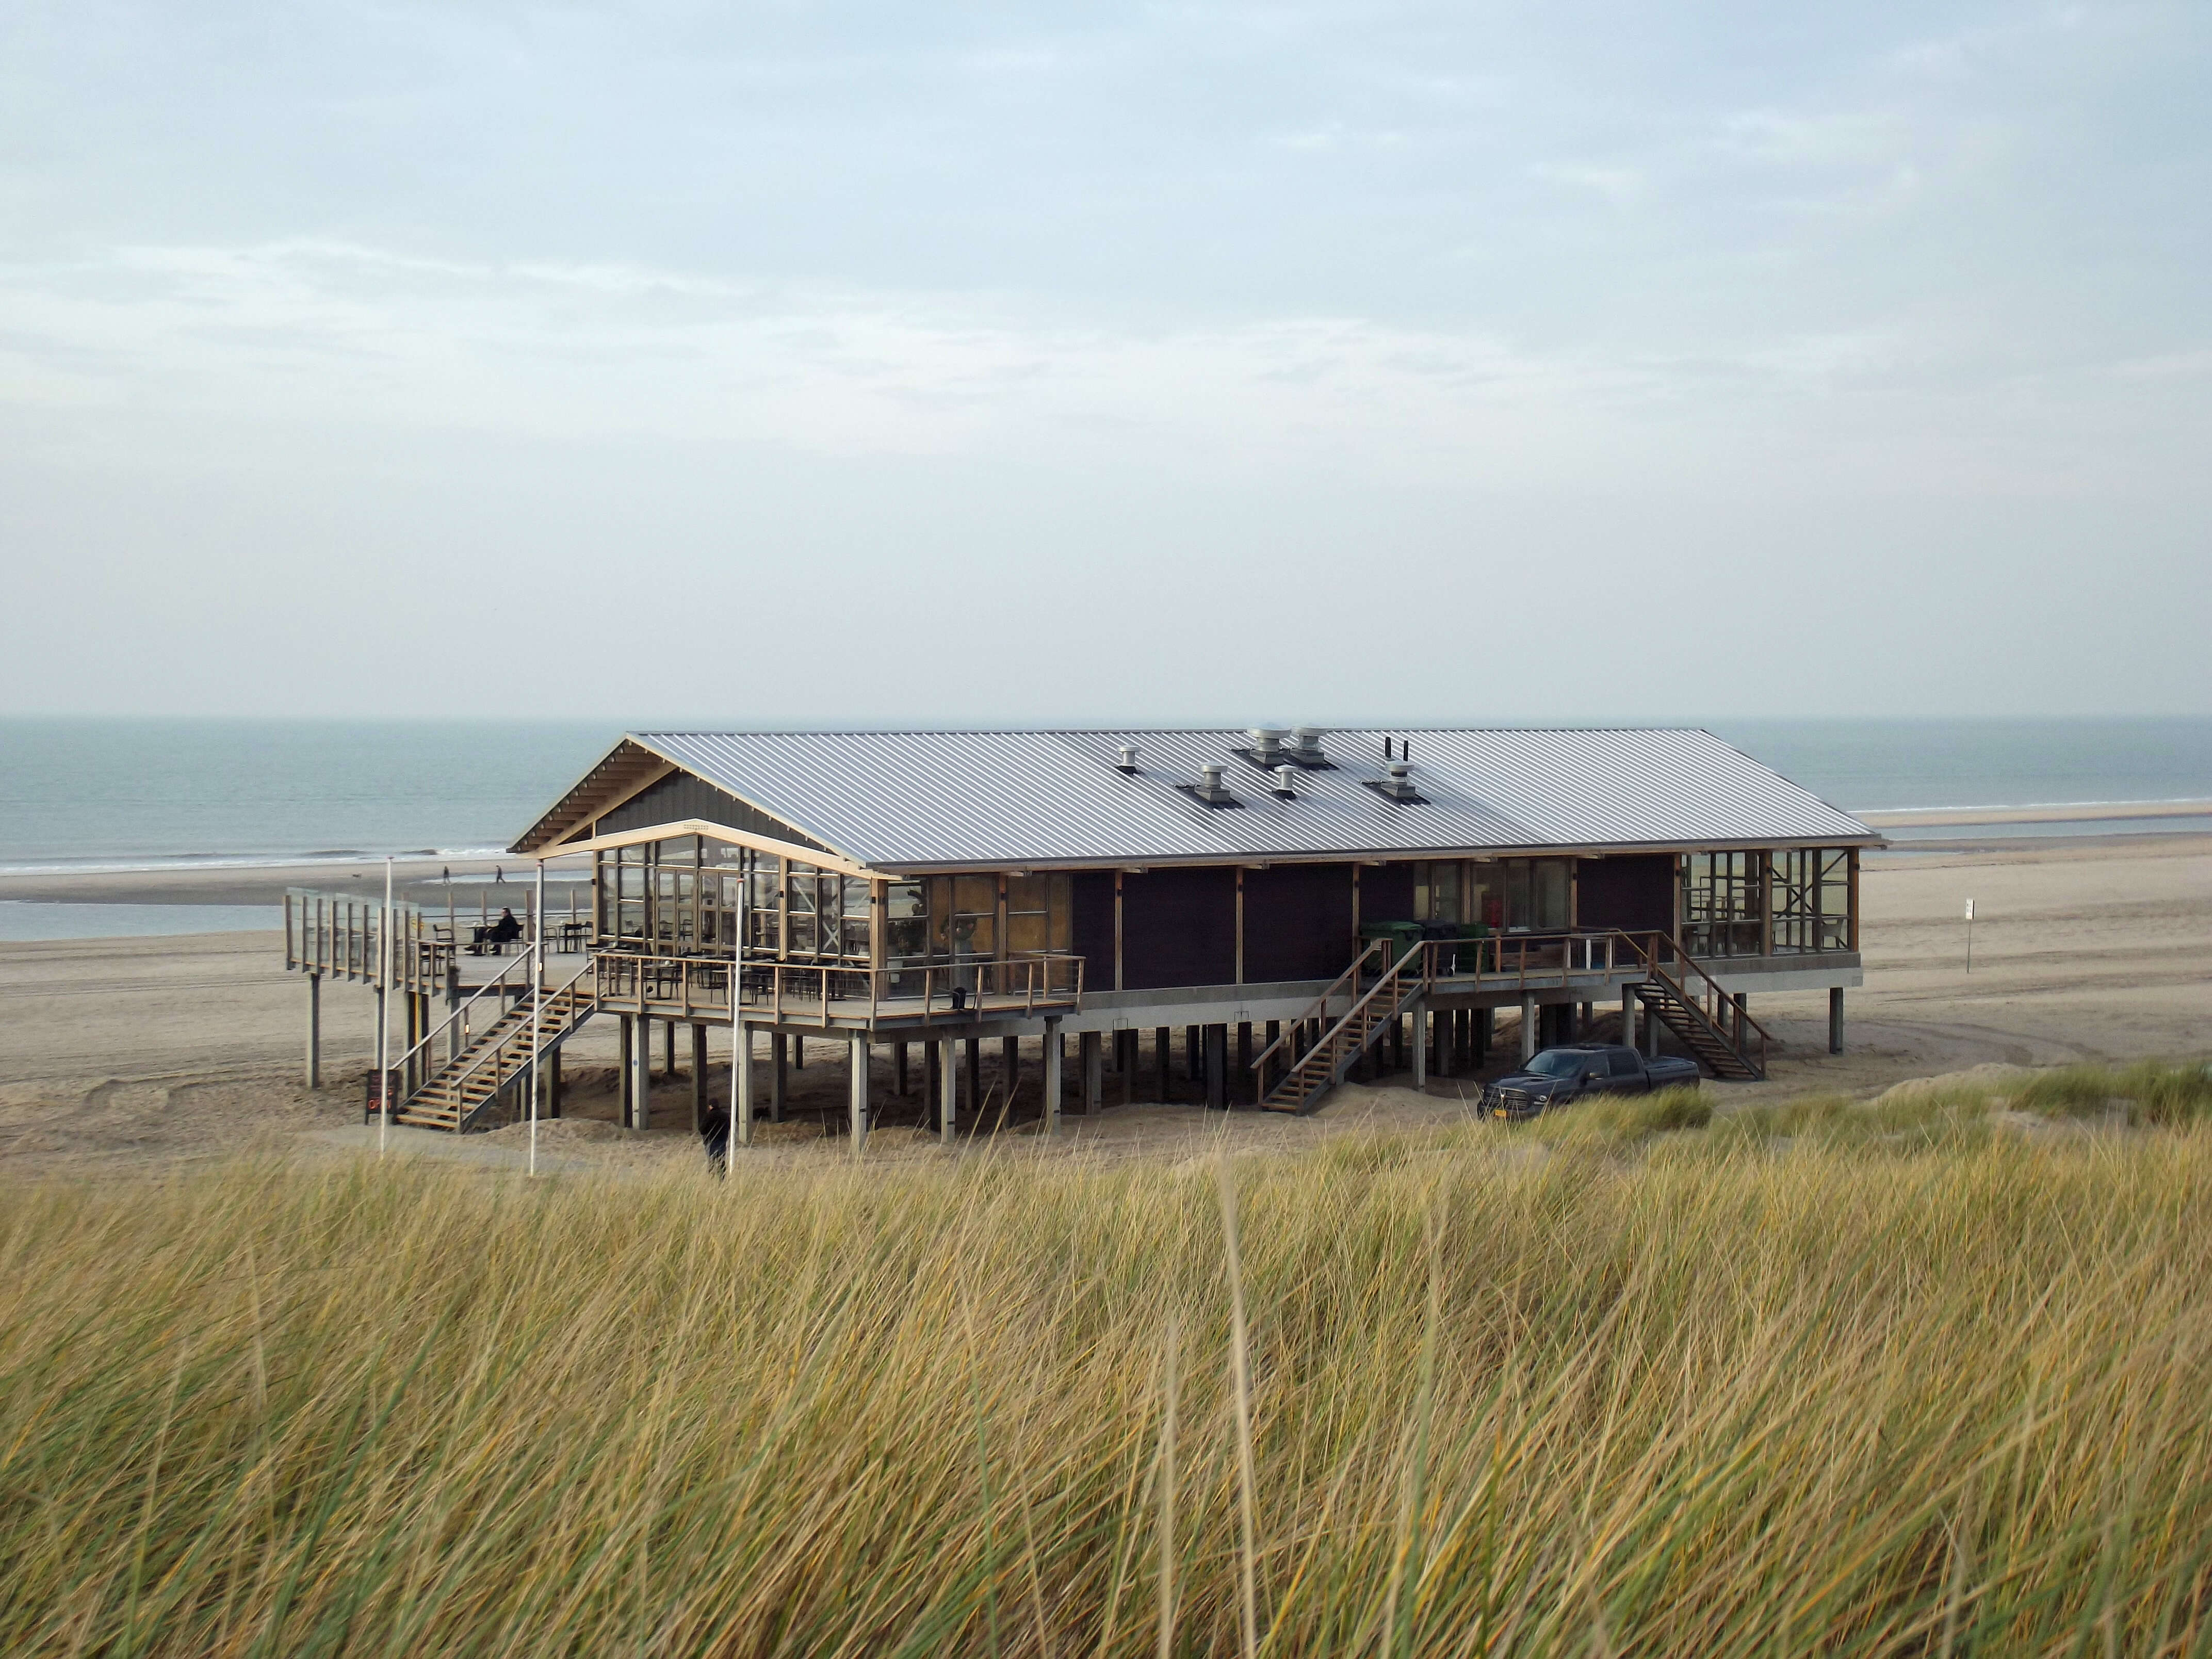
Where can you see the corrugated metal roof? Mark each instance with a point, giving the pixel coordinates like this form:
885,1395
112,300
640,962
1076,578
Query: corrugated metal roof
900,799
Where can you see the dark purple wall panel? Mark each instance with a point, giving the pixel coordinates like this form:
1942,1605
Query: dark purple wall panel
1178,928
1298,922
1386,894
1094,927
1636,895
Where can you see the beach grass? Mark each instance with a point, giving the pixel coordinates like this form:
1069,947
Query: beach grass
1782,1381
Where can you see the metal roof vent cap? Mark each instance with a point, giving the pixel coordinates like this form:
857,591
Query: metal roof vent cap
1286,782
1267,744
1129,761
1308,739
1400,787
1210,777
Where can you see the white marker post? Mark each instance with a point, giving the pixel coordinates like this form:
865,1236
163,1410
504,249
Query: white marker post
536,1010
384,1018
1970,936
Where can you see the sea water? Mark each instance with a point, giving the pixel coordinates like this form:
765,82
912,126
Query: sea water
155,793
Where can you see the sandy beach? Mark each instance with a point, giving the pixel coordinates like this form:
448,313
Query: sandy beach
120,1053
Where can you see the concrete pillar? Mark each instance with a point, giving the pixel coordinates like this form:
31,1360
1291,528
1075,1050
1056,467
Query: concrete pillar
779,1077
1243,1083
1650,1037
553,1089
1091,1061
741,1088
641,1075
668,1048
698,1075
1161,1047
1835,1020
1742,1000
1420,1020
1527,1026
1010,1065
1628,1016
948,1091
1125,1062
859,1083
625,1068
314,1030
898,1065
1194,1054
973,1101
1216,1067
798,1052
1052,1076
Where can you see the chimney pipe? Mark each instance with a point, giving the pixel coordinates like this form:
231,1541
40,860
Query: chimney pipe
1129,761
1286,782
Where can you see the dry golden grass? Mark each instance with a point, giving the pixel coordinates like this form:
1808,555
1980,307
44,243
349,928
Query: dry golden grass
1885,1386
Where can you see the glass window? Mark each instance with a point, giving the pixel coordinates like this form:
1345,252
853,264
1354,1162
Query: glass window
858,918
1720,902
1436,891
906,922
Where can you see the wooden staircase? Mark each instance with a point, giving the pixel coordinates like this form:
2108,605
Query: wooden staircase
1718,1036
1329,1059
498,1060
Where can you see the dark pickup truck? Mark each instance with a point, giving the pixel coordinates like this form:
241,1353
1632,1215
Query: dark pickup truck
1559,1075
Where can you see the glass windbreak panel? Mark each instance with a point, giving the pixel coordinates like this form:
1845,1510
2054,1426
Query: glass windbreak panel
975,916
1552,894
974,936
1060,912
1436,891
1720,895
941,916
800,894
1027,932
906,922
852,932
975,896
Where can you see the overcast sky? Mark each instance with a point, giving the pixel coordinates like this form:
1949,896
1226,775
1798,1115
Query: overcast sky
848,363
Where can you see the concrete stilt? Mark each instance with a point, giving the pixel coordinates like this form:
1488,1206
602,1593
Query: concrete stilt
1527,1027
1091,1050
1244,1080
778,1079
859,1083
698,1075
1628,1016
898,1065
554,1090
948,1091
1052,1077
1420,1020
625,1069
797,1053
1010,1065
1835,1020
314,1030
1216,1067
668,1048
1161,1058
973,1080
1125,1062
641,1077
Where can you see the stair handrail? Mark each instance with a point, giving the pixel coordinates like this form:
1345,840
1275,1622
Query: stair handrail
1320,1009
1650,960
1390,976
531,955
491,1050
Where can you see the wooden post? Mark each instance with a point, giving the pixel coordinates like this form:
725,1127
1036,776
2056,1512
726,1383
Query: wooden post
1194,1057
314,1030
948,1090
1161,1046
1835,1020
1420,1018
1089,1047
1217,1066
1245,1057
1125,1062
779,1080
898,1062
668,1048
698,1075
1010,1065
859,1091
553,1083
1052,1075
975,1079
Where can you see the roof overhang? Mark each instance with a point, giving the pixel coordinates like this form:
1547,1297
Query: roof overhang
783,849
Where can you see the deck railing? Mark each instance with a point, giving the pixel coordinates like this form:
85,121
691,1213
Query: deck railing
338,934
684,987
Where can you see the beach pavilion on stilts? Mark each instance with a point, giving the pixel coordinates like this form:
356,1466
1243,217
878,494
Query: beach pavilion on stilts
1244,917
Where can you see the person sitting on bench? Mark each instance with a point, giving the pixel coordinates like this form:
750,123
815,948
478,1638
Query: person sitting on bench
501,934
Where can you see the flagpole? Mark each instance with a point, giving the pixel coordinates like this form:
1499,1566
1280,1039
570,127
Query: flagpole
537,1012
384,1019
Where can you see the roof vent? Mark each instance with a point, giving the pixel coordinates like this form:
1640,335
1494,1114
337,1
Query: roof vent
1129,761
1209,788
1399,786
1267,745
1286,780
1306,749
